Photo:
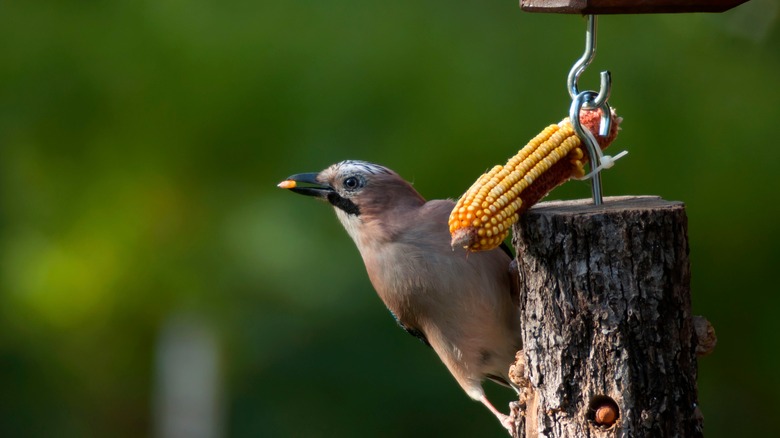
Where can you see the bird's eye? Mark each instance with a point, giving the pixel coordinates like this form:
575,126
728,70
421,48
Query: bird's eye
351,183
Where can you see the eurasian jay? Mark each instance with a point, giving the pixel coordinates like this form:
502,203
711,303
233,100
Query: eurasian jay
463,305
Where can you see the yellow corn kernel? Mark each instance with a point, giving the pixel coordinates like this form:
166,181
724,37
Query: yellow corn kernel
496,198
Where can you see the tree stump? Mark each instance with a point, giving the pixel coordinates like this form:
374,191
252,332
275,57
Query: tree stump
609,346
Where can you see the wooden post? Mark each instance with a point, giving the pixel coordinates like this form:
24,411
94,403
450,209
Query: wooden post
609,346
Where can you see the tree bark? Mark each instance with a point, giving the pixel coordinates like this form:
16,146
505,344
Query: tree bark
609,347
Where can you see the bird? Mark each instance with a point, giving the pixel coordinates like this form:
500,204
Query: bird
463,305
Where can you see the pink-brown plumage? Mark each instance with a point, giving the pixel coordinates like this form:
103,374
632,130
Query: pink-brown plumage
460,303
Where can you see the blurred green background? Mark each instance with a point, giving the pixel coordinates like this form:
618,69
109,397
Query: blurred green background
142,232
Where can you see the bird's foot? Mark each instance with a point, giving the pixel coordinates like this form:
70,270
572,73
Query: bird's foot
507,421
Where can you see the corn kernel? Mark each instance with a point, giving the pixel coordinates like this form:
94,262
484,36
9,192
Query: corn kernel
499,196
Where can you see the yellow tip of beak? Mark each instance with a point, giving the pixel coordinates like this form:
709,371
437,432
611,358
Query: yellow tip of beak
286,184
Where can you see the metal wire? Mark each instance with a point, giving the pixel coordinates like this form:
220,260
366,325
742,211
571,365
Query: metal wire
591,144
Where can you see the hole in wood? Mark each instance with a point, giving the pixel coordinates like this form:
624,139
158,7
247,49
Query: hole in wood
603,412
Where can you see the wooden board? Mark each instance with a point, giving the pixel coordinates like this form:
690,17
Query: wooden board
627,6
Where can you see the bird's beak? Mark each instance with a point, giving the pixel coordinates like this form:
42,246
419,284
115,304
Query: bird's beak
311,188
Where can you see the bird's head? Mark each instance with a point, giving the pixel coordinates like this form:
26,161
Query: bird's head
361,192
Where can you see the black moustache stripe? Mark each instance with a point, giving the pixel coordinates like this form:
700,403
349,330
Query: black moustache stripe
344,204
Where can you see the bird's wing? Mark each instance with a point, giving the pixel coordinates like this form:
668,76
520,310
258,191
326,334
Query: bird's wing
411,330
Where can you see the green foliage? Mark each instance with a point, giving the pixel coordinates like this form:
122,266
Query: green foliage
141,142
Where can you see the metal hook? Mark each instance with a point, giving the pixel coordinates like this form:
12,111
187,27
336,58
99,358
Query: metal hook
583,63
590,100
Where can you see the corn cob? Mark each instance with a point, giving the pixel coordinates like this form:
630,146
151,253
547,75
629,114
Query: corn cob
483,216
